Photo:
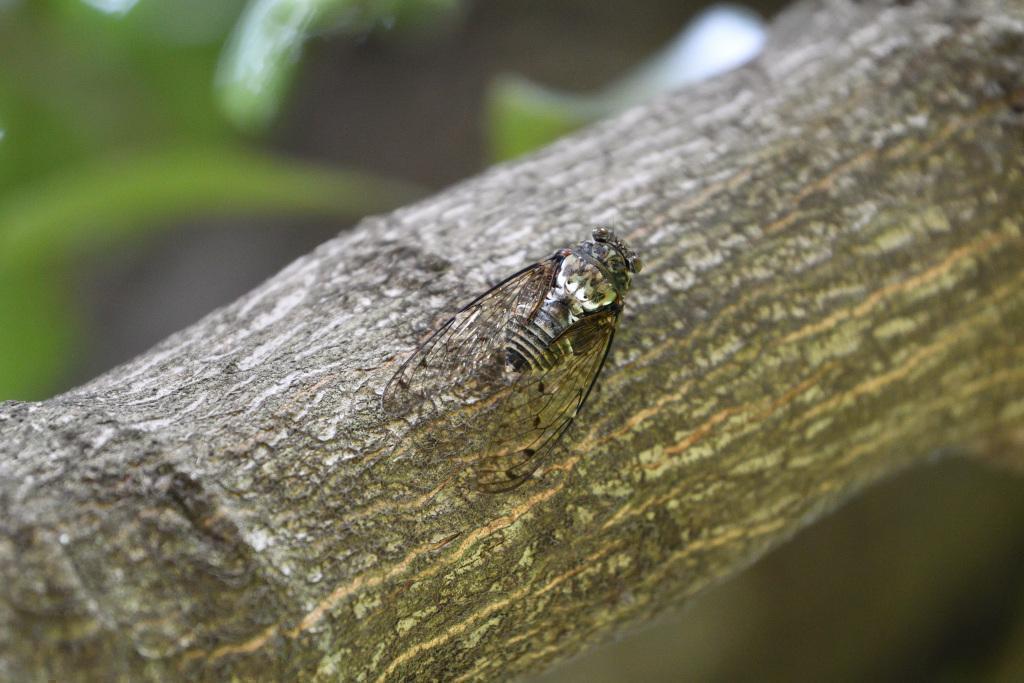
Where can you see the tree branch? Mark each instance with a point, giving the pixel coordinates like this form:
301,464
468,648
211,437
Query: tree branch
833,291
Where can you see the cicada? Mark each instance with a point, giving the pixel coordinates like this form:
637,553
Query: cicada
509,372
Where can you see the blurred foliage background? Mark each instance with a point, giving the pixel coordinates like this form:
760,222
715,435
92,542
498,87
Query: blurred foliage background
158,158
122,119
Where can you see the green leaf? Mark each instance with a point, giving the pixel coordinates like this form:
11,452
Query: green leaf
75,84
523,116
97,204
37,335
259,62
261,57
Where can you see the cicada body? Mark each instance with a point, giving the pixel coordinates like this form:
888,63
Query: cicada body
515,366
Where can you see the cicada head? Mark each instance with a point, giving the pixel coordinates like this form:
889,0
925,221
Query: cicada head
608,248
597,273
618,260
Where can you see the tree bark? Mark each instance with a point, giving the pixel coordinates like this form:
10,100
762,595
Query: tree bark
833,291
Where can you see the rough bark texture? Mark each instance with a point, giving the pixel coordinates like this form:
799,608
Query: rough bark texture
833,291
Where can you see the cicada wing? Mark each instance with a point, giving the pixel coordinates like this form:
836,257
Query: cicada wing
541,405
468,351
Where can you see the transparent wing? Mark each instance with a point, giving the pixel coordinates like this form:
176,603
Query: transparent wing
540,406
468,351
